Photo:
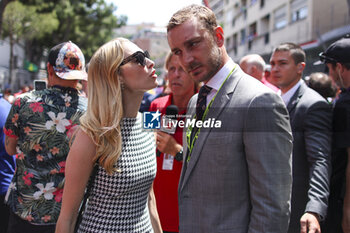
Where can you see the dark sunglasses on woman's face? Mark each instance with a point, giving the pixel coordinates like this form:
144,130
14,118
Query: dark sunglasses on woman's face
139,57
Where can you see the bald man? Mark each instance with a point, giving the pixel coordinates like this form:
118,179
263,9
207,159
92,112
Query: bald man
254,65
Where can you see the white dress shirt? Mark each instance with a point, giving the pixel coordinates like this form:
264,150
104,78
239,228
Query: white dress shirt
216,81
288,95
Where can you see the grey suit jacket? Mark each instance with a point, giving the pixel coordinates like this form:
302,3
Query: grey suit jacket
239,177
311,121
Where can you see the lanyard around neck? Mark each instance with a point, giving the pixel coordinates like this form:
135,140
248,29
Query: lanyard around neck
190,144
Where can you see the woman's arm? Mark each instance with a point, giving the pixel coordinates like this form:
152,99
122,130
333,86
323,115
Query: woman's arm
152,206
78,169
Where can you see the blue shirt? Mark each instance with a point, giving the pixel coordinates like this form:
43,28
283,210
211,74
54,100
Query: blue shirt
7,162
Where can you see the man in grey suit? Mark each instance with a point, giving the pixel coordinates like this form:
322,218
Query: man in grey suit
235,178
310,117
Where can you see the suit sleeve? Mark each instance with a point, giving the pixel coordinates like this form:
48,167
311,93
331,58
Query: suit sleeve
268,148
317,134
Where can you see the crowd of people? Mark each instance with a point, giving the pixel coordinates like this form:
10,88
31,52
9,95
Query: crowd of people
277,163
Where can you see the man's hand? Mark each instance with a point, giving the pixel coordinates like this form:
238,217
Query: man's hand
346,208
10,145
346,220
309,223
167,144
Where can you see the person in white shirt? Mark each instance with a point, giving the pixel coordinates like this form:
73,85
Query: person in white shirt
310,117
230,181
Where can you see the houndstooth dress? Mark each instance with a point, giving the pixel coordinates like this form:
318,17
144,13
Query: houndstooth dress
118,202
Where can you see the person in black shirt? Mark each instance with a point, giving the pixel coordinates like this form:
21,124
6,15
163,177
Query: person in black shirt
337,59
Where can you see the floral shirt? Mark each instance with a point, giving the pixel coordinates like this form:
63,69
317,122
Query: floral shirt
42,122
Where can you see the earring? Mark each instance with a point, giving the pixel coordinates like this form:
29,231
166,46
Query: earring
122,85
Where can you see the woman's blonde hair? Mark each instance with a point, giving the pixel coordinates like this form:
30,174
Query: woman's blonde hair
105,111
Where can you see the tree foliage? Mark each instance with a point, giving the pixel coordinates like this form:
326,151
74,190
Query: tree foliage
3,4
24,23
21,23
88,23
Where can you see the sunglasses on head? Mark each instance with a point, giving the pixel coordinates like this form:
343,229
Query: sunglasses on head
325,59
139,57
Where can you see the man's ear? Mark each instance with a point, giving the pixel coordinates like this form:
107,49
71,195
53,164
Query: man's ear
253,69
219,36
50,70
339,68
50,74
301,67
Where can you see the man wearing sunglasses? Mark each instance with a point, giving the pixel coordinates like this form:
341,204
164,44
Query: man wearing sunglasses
337,59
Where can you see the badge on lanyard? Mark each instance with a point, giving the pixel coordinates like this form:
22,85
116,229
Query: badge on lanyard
168,162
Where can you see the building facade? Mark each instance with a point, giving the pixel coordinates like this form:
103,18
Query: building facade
257,26
20,77
151,38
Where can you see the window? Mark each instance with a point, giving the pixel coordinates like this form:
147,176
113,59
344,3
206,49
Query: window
299,14
252,35
299,10
252,2
234,41
262,3
218,6
252,31
244,8
267,38
228,43
229,17
242,36
264,28
280,17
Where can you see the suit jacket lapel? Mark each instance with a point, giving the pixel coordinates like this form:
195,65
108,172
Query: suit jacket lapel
216,109
296,97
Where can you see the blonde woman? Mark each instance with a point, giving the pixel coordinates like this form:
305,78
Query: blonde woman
121,198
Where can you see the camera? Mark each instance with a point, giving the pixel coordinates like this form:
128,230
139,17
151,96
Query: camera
40,85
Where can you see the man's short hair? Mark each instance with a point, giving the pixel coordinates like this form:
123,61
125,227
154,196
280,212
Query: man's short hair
202,13
296,51
334,65
321,83
254,59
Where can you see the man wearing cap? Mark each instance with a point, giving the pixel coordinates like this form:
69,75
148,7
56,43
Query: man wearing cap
337,59
38,130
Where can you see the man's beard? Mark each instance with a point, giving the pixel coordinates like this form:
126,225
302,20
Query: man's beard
213,65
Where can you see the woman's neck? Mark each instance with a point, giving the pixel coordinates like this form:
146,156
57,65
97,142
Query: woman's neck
131,103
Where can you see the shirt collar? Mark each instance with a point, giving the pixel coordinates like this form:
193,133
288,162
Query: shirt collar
216,81
288,95
65,89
